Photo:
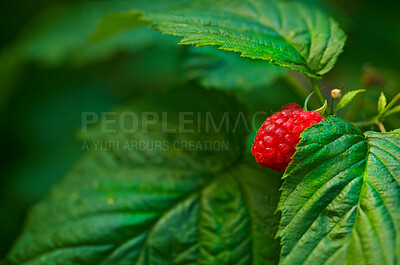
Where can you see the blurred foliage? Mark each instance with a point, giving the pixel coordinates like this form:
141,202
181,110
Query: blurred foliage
47,82
221,69
157,205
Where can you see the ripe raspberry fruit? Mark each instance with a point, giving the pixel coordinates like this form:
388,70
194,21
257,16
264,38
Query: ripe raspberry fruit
276,140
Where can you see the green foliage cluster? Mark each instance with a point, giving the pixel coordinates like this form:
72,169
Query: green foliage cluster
337,202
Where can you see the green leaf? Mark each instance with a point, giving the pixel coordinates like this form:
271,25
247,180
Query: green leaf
287,34
154,196
347,98
382,102
340,199
227,70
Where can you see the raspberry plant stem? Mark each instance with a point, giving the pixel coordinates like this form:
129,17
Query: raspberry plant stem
361,124
317,90
377,120
381,127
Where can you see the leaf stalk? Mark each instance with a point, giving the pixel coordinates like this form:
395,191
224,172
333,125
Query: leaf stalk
317,90
378,119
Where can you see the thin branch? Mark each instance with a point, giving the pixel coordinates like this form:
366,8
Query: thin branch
381,127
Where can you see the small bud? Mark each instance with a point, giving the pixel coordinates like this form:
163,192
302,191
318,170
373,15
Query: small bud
336,93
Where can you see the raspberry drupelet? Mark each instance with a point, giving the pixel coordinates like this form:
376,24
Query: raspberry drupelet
276,140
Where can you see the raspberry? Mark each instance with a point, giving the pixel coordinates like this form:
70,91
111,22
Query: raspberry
276,140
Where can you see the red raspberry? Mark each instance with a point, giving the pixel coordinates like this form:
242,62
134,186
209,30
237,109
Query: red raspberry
276,140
